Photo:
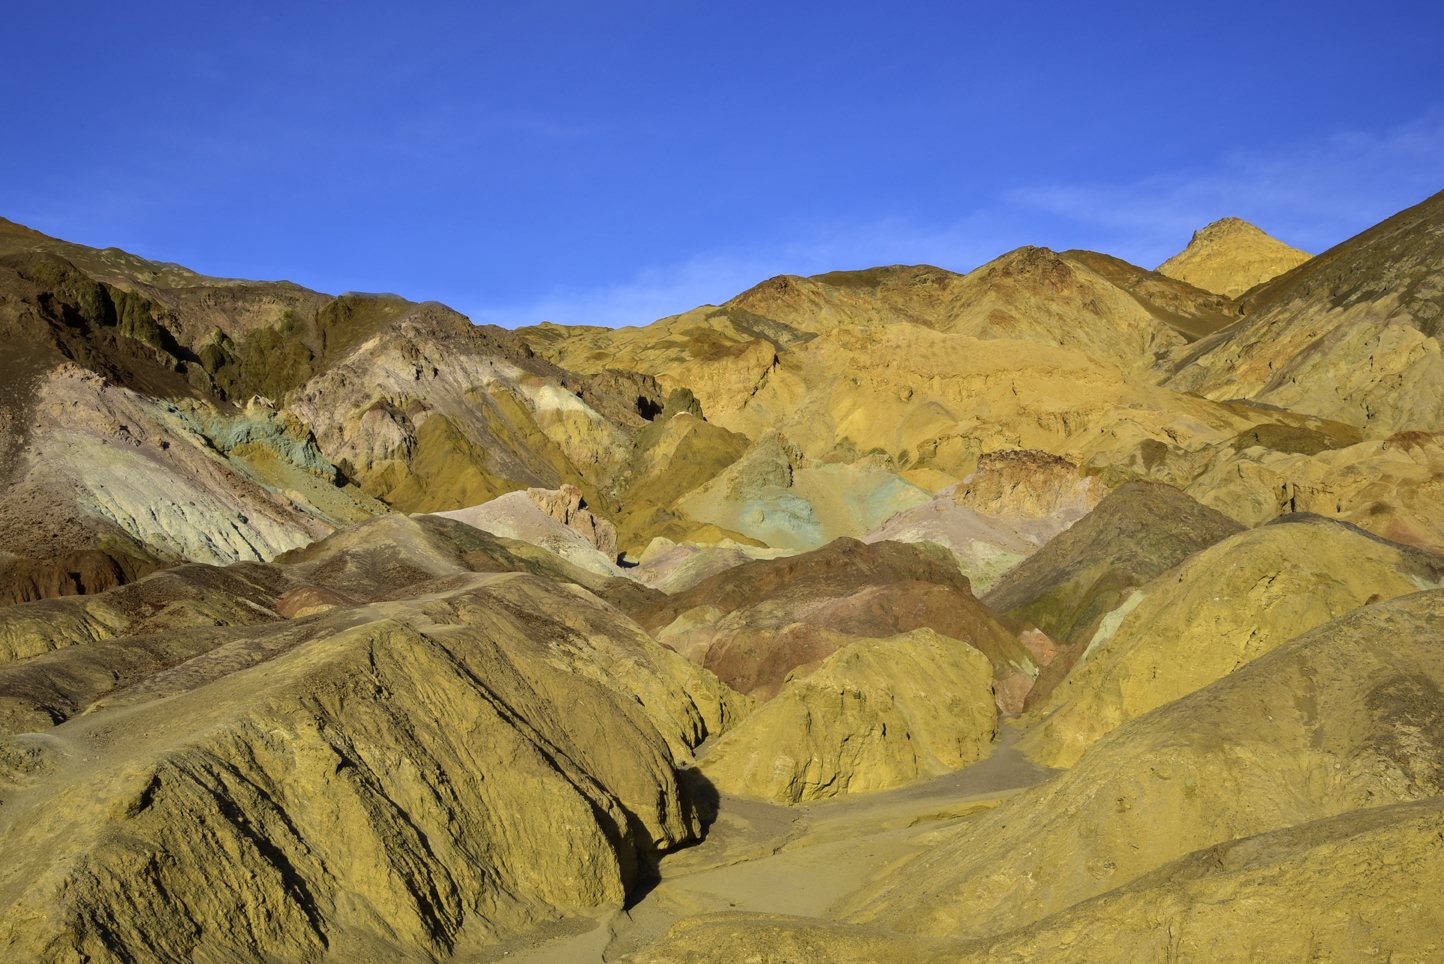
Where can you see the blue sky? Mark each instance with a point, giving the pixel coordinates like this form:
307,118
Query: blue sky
611,163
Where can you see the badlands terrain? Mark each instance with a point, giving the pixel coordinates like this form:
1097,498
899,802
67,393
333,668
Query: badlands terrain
1062,610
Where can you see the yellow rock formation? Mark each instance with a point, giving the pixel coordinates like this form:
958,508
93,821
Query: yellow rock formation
1222,608
401,779
1350,335
1263,749
877,713
1230,256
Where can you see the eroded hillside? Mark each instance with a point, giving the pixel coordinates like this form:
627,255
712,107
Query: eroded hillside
1056,610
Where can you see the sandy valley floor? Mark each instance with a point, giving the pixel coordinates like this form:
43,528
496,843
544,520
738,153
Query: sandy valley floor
806,860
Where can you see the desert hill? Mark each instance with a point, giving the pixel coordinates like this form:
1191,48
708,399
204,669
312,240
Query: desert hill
1141,851
345,777
1344,336
1059,609
1230,257
271,415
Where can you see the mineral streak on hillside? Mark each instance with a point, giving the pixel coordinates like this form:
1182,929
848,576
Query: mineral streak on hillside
338,628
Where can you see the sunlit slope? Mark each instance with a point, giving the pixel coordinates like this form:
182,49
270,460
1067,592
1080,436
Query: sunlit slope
1230,256
1265,748
1349,335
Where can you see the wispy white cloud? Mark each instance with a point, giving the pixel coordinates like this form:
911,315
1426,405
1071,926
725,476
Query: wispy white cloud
1311,195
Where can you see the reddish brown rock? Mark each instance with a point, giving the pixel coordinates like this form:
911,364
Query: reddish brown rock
760,622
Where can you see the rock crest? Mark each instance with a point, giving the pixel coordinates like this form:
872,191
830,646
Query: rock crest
1230,256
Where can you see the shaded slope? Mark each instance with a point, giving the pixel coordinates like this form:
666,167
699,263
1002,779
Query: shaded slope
1191,311
1131,536
1085,578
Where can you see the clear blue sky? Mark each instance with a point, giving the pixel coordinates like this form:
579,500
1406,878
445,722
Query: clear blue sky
610,163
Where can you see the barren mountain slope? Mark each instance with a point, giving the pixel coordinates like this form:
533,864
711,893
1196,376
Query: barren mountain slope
757,623
1265,748
58,656
1221,608
1349,335
131,437
113,463
1231,256
923,371
420,764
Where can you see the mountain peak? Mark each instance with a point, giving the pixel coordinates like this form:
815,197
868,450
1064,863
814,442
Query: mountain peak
1230,256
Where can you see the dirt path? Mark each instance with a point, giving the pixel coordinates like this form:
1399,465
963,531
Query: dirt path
807,860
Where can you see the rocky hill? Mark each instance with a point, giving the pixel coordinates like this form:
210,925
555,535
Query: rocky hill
1056,610
1230,257
1348,335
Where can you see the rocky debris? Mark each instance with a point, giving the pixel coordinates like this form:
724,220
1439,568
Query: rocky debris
1070,586
877,713
755,624
232,485
1277,754
629,399
1221,608
567,506
398,555
1039,494
1230,256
